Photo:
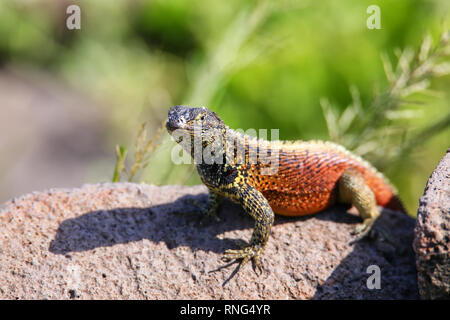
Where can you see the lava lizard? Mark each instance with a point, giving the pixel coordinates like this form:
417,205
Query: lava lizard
310,176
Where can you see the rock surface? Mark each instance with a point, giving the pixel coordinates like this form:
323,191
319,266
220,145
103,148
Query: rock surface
130,241
432,234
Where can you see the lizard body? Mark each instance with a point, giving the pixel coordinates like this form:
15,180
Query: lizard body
309,176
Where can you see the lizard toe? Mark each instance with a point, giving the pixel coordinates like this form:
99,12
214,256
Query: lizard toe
247,253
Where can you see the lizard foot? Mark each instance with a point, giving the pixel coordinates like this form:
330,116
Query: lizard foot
246,253
363,229
366,229
378,235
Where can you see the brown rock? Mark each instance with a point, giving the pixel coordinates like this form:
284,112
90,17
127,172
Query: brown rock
130,241
432,234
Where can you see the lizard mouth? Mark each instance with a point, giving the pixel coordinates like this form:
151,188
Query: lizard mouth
177,118
171,126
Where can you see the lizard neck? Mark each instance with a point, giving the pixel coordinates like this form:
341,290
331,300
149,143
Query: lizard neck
244,149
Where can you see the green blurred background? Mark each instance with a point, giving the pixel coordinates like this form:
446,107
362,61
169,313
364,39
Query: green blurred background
69,96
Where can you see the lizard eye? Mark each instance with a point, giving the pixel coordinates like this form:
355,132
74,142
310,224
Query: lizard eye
202,118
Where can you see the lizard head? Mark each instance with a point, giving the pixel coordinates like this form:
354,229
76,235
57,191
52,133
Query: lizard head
188,119
196,124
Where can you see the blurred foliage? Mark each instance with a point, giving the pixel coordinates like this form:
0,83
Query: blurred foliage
258,64
380,131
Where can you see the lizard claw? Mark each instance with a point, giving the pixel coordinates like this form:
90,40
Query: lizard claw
363,229
366,229
378,234
246,253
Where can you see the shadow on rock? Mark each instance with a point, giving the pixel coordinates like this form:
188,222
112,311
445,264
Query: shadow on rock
354,278
176,224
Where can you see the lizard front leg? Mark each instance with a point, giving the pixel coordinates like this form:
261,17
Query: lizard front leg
210,210
257,206
214,202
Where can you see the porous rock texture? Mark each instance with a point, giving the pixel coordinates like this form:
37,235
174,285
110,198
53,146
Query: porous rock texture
136,241
432,234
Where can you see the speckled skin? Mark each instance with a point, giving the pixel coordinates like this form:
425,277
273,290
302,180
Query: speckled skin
310,176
